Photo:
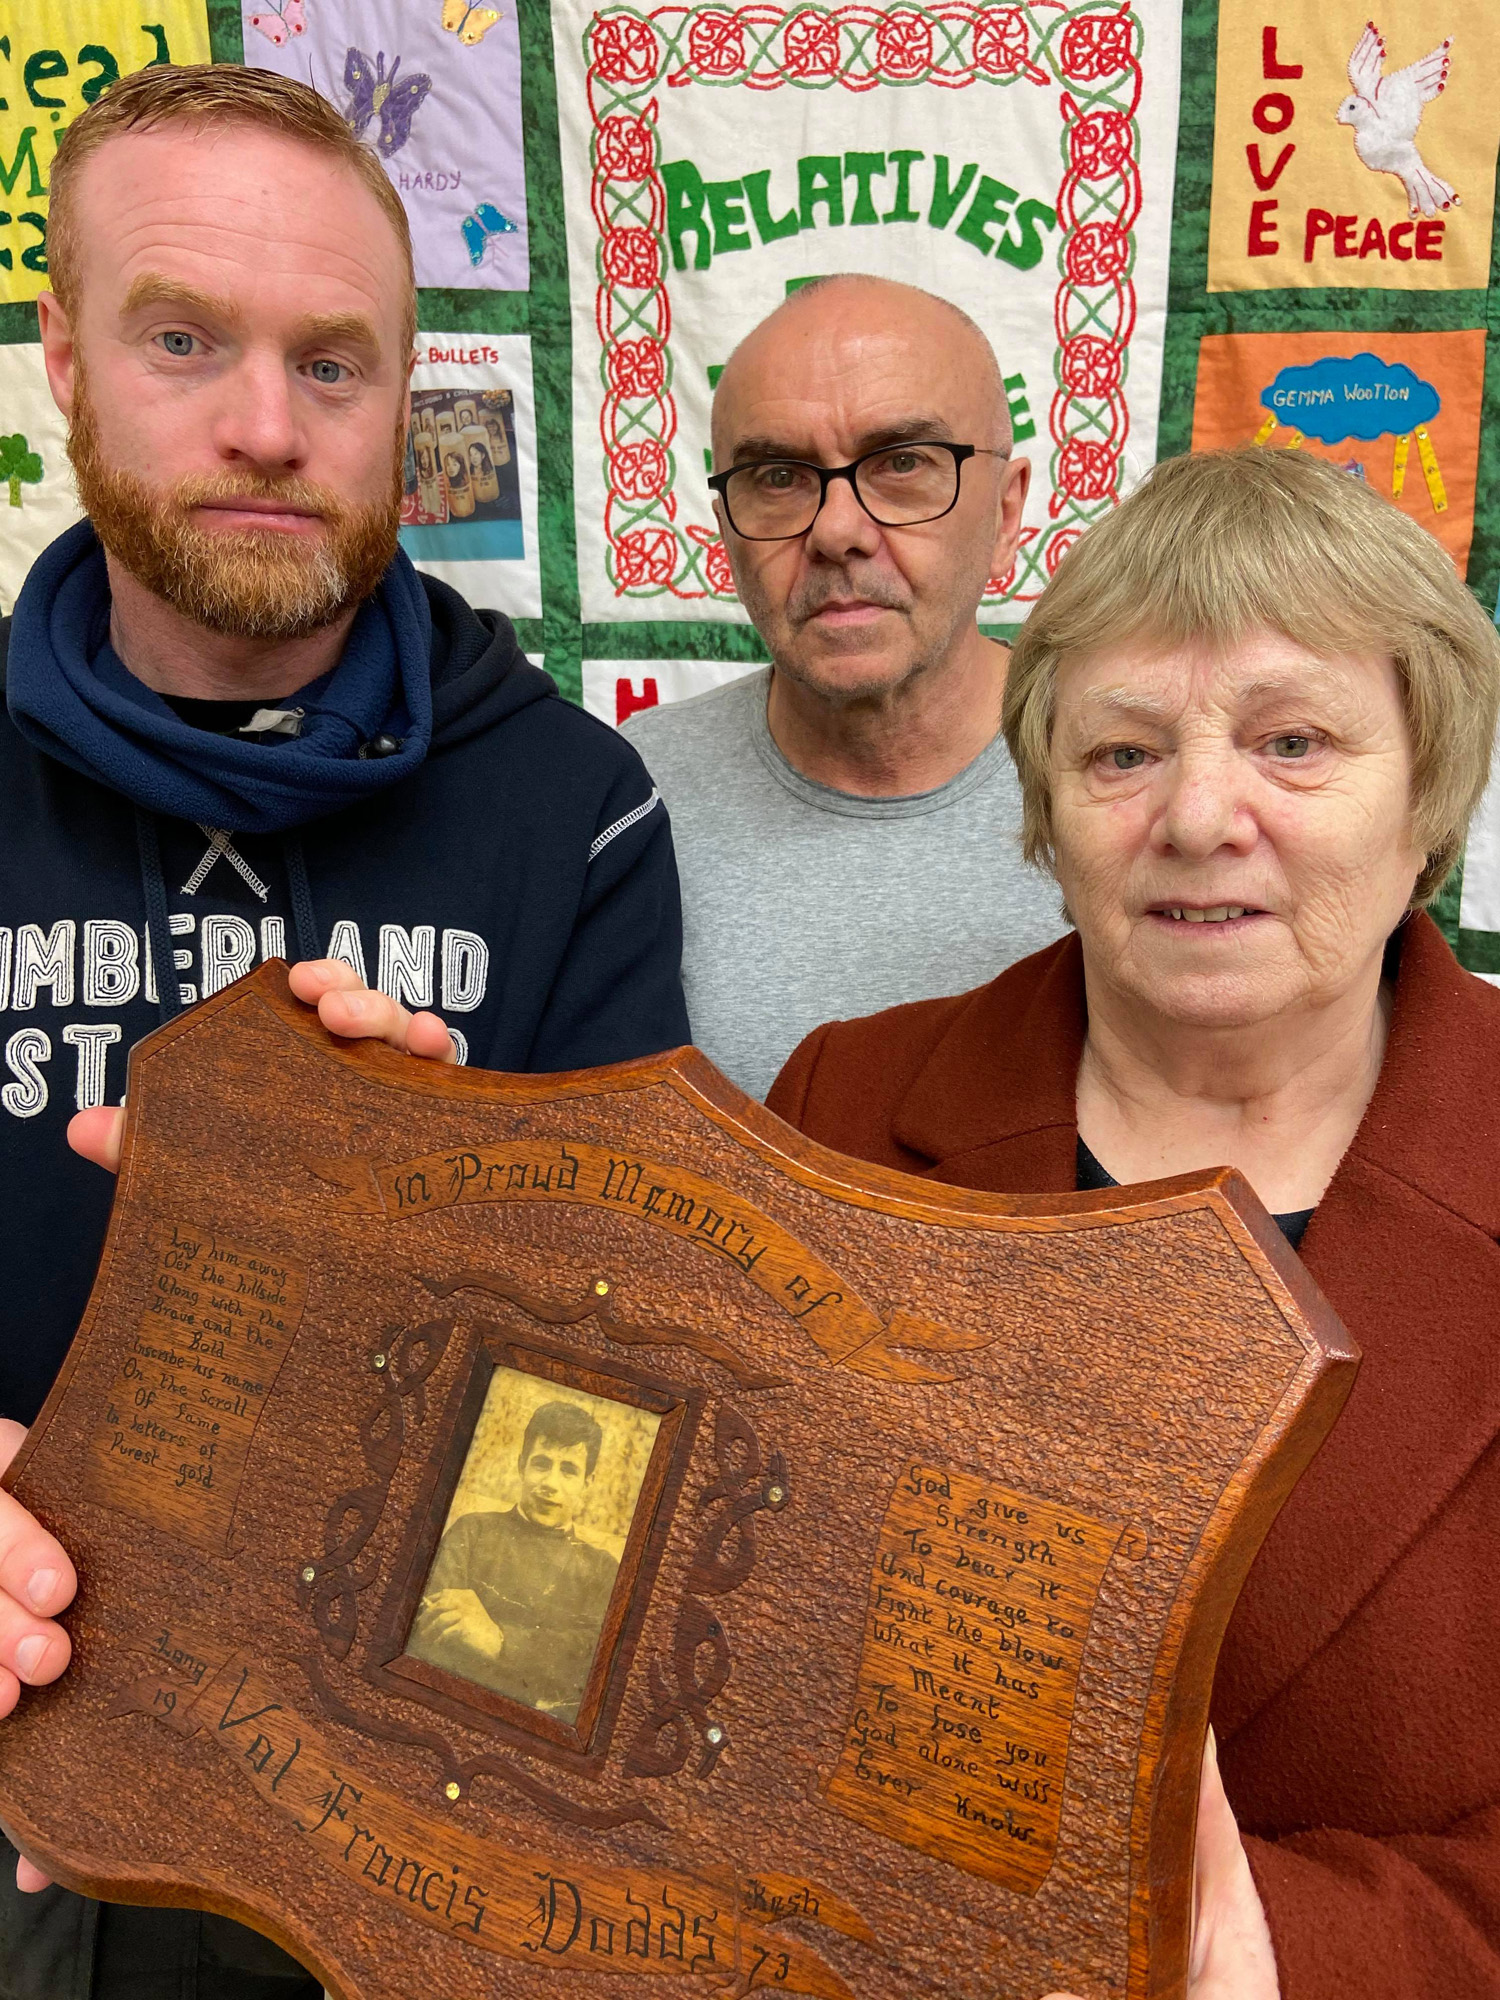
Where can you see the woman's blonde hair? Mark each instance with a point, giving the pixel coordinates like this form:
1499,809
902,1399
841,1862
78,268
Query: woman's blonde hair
1217,544
208,94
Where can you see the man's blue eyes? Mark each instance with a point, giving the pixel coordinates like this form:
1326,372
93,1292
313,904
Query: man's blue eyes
327,374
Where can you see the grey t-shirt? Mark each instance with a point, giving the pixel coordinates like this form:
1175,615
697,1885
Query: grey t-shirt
801,904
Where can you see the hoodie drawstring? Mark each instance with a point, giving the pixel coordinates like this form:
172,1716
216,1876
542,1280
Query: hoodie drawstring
158,929
304,922
158,924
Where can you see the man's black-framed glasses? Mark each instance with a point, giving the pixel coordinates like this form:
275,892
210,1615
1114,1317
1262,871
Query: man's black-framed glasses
899,486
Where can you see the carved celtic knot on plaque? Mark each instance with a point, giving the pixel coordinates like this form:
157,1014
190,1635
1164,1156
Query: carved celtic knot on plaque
748,1482
403,1368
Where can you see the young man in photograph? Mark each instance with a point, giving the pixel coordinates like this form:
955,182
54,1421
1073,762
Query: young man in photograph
516,1600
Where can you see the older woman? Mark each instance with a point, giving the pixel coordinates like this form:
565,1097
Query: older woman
1252,716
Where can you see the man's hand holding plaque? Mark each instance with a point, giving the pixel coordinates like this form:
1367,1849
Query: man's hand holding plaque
346,1007
37,1583
37,1579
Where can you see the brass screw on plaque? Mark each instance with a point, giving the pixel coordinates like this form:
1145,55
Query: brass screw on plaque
601,1287
378,1360
775,1495
453,1789
714,1733
309,1575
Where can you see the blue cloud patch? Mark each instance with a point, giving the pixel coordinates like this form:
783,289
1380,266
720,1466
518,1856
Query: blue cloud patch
1362,398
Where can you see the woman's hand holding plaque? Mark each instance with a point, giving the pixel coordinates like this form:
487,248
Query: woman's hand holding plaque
1231,1956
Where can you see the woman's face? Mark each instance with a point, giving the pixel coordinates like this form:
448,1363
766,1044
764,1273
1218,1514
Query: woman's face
1232,829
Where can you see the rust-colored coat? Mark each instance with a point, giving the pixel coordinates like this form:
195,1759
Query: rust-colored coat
1357,1703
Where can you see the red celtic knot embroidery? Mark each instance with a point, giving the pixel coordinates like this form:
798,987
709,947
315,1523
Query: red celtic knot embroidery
1099,144
1002,45
1058,544
717,573
1086,469
903,43
716,44
1097,45
1098,203
764,46
640,470
632,258
1097,252
624,49
626,149
645,556
1091,366
716,566
812,45
637,368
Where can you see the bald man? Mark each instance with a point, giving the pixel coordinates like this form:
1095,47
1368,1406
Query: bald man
847,820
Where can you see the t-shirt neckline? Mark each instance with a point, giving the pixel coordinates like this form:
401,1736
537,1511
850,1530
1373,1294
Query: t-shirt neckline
853,805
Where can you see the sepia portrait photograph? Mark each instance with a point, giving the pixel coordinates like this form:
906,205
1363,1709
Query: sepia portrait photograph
517,1593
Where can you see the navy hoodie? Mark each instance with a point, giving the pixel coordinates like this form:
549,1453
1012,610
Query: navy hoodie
508,864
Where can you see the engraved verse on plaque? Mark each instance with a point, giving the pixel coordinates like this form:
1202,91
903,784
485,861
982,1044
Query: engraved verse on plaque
172,1439
979,1609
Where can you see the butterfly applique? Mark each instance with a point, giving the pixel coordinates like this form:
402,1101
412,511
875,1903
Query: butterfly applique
281,23
478,228
470,24
371,91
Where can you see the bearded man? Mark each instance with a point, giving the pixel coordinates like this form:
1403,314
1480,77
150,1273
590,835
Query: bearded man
240,725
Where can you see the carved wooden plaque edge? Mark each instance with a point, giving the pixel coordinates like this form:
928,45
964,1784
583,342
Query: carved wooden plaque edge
1181,1679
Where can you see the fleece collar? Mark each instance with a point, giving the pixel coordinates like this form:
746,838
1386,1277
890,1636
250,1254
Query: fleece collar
72,698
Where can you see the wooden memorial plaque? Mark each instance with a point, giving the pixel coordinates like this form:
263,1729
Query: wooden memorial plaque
539,1532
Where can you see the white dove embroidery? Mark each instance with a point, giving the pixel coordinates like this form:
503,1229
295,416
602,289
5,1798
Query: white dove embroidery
1385,112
